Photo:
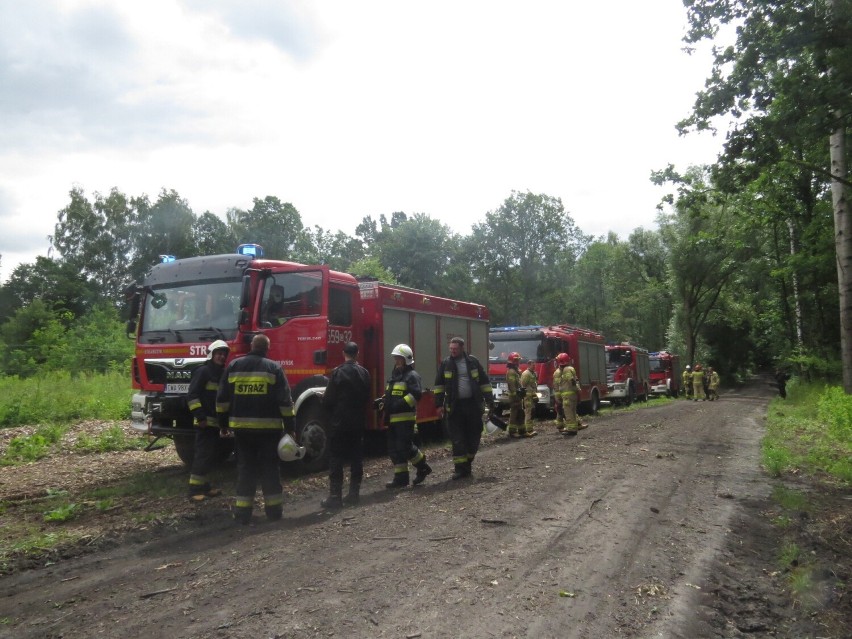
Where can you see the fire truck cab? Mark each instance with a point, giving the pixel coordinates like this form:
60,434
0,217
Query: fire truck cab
308,311
627,373
542,344
665,373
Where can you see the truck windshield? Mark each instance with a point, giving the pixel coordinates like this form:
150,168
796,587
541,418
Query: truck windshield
528,348
616,358
657,365
183,310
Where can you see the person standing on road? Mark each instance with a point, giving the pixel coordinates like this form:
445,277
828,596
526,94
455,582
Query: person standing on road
781,377
713,384
254,402
516,396
461,388
687,381
346,397
697,382
201,401
399,405
568,387
529,382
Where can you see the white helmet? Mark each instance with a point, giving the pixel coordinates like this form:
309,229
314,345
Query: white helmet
687,367
289,450
404,351
217,345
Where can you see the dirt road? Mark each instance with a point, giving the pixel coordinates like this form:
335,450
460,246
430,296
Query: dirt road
624,530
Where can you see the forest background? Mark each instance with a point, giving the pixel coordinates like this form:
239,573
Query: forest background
749,268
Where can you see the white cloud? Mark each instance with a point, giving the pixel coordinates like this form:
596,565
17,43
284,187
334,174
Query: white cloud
344,109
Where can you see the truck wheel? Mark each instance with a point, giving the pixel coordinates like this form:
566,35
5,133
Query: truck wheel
311,429
185,447
594,402
644,397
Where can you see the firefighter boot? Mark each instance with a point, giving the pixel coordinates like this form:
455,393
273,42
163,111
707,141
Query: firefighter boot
423,470
273,513
353,496
242,515
462,470
400,480
334,501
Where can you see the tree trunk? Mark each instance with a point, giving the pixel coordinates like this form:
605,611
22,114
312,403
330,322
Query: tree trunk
843,246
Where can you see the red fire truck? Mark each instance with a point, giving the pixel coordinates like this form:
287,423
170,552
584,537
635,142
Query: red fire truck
665,373
542,344
183,305
627,373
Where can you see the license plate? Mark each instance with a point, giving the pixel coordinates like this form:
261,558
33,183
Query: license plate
177,389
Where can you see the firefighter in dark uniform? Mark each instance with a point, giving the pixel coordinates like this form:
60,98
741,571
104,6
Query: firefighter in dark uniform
461,389
346,397
254,403
399,405
201,401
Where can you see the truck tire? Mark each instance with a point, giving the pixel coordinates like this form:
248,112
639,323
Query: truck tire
185,447
312,434
645,393
592,406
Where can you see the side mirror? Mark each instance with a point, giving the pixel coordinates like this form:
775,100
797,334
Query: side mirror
130,328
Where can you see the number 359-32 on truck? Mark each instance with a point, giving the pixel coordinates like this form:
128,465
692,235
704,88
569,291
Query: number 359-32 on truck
308,312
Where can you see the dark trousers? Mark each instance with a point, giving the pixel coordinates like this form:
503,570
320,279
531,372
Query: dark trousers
204,459
464,422
401,445
257,457
343,444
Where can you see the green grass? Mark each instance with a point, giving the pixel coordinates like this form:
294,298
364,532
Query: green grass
810,432
28,448
63,398
790,499
112,439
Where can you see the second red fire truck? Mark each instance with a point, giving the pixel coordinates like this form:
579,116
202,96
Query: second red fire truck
542,344
627,373
665,373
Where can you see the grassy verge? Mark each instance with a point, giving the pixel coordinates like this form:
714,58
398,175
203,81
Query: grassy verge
808,448
62,398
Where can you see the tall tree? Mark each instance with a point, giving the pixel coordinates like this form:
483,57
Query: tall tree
789,76
526,250
163,228
274,224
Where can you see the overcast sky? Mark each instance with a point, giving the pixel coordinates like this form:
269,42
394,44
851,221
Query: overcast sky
343,108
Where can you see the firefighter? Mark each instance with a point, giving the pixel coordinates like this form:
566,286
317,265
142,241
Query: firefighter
687,381
557,395
713,384
461,388
346,397
252,402
781,378
399,405
529,382
201,401
516,396
568,388
697,383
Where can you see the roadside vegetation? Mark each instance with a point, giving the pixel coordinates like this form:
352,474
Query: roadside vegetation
808,450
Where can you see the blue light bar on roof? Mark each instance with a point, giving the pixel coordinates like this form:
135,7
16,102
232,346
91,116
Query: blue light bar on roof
252,250
167,258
